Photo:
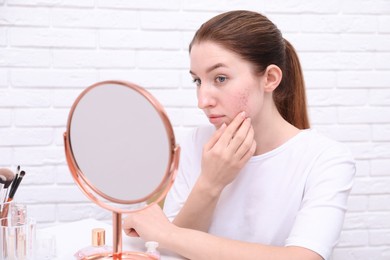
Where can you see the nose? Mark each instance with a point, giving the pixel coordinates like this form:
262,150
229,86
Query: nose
206,98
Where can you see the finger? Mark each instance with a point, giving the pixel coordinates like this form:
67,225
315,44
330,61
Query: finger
127,224
240,136
128,230
244,142
214,139
232,128
249,153
132,233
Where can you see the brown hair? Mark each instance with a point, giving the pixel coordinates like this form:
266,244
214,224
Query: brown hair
256,39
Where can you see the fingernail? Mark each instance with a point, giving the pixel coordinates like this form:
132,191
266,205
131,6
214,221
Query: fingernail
243,114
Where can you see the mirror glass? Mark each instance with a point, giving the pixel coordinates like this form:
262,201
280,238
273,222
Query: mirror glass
120,143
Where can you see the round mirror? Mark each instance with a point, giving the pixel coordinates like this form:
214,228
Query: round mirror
120,146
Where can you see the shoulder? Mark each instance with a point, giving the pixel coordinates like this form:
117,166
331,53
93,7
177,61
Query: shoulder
325,156
331,159
324,145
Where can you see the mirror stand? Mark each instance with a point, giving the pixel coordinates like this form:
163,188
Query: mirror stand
117,253
118,127
117,234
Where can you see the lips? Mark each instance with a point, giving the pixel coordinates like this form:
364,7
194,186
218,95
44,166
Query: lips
216,119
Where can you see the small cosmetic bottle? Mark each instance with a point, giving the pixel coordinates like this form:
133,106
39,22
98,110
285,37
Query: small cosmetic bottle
98,245
151,249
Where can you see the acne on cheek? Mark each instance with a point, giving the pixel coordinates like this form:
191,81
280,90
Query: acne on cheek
242,104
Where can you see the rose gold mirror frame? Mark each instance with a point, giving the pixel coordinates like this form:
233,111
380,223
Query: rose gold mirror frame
90,191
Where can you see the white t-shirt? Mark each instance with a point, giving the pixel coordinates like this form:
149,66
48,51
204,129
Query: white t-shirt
294,195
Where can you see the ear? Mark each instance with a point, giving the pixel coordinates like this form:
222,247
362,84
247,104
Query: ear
273,76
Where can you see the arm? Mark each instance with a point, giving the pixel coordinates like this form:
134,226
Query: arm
201,199
223,156
317,227
151,224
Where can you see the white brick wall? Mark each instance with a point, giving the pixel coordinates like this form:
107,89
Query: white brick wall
50,50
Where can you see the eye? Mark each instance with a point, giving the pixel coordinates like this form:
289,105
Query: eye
221,79
197,82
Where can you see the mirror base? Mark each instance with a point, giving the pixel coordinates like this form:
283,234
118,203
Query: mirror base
123,255
118,254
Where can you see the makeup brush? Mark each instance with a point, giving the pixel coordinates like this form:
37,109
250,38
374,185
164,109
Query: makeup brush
17,172
15,185
3,179
11,195
10,176
15,179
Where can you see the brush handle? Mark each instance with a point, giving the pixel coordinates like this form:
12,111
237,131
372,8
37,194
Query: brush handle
14,188
4,213
16,184
2,192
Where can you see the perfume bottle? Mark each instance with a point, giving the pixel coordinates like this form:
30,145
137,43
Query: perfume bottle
98,245
151,249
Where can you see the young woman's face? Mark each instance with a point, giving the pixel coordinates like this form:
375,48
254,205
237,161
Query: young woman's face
226,84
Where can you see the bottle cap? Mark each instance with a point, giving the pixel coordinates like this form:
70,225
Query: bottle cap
151,246
98,237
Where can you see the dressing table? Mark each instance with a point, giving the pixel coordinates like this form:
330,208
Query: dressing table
70,237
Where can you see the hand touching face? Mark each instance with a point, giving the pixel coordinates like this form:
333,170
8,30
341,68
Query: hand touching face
227,152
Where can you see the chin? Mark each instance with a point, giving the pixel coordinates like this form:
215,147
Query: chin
217,126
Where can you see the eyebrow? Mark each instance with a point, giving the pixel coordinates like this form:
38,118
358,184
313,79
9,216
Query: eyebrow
210,69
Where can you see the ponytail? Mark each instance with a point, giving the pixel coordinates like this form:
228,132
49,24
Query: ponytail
289,96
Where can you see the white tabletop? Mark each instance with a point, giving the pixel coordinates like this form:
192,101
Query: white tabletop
71,237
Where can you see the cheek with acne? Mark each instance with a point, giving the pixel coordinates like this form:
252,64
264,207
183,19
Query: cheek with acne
242,104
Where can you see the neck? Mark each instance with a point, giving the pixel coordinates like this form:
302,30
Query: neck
272,130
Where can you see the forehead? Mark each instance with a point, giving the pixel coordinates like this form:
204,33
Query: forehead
208,53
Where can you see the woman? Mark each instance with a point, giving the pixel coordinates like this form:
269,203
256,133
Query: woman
258,184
